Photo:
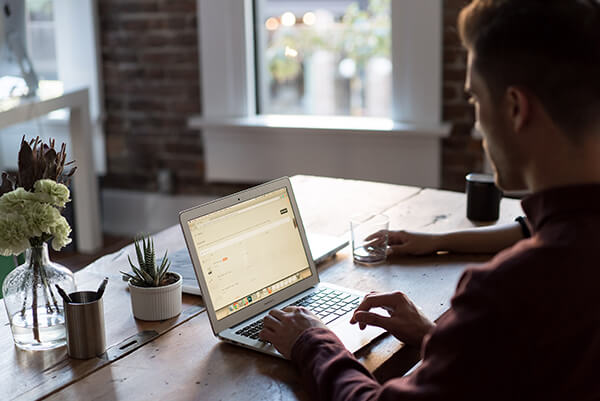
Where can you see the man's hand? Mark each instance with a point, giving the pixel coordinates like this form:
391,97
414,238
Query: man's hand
405,242
405,322
283,327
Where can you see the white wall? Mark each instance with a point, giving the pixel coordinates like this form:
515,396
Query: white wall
129,213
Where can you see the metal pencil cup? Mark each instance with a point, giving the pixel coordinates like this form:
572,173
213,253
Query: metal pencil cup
84,317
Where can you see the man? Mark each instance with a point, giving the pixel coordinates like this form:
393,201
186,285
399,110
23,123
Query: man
526,325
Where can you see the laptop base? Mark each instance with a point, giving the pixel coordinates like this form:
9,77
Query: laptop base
350,335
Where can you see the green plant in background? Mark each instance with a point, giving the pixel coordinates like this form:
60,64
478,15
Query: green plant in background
148,273
367,32
360,35
283,67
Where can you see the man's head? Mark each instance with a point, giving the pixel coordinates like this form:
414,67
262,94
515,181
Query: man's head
525,54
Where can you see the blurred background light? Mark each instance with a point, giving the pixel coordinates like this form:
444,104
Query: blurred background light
272,24
288,19
309,18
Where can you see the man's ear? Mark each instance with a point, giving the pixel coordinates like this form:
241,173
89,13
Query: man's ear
518,107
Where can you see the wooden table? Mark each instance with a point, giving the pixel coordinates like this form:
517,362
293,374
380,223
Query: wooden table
181,359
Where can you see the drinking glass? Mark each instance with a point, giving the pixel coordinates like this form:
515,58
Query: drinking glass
368,248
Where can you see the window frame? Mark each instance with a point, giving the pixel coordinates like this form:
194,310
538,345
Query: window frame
417,64
229,90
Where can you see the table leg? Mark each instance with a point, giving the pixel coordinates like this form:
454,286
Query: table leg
85,182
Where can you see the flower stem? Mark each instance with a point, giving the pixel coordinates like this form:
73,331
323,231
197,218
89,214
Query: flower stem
24,306
48,293
36,327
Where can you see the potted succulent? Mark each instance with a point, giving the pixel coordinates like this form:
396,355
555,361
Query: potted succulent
155,291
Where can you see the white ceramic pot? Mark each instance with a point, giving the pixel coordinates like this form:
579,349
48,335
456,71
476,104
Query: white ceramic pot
156,303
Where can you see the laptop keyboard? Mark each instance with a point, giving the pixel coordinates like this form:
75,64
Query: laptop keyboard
326,303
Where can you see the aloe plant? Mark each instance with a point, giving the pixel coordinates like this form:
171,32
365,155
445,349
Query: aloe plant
148,273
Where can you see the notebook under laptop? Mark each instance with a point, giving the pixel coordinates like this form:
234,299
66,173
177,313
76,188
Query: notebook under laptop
250,255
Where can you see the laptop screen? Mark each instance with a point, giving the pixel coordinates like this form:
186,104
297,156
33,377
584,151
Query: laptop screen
249,251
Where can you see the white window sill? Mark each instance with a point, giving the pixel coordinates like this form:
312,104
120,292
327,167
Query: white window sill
259,148
322,125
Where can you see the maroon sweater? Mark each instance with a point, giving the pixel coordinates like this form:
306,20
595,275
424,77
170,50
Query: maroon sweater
525,326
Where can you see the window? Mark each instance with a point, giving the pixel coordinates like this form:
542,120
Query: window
39,18
61,41
243,142
324,57
29,39
229,71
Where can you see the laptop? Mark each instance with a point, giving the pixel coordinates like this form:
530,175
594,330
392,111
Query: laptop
322,247
250,254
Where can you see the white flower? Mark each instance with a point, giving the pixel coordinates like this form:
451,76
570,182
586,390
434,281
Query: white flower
58,193
61,233
14,238
27,215
15,200
41,218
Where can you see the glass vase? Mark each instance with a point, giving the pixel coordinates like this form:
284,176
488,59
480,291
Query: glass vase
33,305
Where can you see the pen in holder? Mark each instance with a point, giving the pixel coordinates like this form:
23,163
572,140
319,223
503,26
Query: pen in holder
84,318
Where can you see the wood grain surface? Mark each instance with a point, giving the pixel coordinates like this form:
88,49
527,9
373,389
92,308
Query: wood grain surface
188,362
31,375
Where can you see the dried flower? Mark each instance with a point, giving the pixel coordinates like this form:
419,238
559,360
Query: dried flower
31,202
38,161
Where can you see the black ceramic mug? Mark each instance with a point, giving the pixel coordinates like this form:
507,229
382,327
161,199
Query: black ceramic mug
483,197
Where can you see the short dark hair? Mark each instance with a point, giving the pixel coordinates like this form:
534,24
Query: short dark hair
550,47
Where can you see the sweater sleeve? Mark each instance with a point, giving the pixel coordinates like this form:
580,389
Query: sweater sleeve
331,371
454,354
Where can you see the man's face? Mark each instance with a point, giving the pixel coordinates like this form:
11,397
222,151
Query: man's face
499,139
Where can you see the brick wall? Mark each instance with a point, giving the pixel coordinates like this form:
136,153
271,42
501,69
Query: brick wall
461,153
151,85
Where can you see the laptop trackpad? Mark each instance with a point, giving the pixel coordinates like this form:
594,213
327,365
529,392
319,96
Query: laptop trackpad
352,336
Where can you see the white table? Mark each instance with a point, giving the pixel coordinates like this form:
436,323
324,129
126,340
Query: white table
88,232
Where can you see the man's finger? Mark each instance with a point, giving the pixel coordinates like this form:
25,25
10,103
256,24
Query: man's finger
374,242
278,314
306,312
376,235
398,249
385,300
266,334
371,319
271,322
290,308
